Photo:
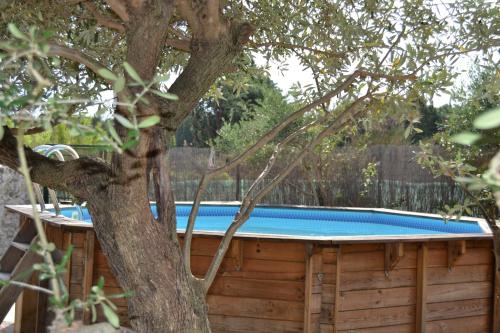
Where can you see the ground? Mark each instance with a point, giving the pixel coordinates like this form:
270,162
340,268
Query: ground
7,326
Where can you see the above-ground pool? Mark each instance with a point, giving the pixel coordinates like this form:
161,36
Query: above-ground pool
304,269
318,222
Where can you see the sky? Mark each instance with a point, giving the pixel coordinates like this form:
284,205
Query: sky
286,76
295,72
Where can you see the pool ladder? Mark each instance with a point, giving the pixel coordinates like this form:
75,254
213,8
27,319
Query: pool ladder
49,150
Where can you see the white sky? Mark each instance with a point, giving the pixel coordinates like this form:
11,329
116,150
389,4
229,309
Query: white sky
286,76
295,72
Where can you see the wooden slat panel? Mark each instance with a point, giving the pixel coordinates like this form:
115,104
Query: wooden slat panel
281,276
377,298
469,243
109,278
76,274
26,310
422,289
328,293
258,288
100,259
329,256
374,261
375,317
77,257
78,239
54,235
459,291
406,328
338,281
199,264
221,324
256,308
326,328
473,256
327,313
312,298
88,271
378,279
479,324
458,309
204,246
480,243
67,242
472,273
279,251
407,277
329,268
363,247
75,290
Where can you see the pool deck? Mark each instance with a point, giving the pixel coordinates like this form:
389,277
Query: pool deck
68,223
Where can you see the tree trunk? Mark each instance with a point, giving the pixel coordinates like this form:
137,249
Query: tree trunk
145,256
143,252
496,289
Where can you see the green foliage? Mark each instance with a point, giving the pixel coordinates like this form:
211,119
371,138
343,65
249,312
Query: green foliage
233,102
234,137
488,120
368,173
470,136
62,134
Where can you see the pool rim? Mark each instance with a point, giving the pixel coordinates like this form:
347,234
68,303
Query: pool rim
69,223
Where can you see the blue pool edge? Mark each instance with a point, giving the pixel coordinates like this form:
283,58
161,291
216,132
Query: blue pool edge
66,222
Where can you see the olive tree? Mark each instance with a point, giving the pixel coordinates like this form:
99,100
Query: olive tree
369,58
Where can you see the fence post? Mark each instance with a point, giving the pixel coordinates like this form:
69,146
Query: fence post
238,183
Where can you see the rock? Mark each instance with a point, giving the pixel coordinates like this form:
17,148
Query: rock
12,192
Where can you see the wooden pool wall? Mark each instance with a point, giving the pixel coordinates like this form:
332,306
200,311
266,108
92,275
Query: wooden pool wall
267,285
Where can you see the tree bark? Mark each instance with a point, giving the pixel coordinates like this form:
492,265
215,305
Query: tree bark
145,257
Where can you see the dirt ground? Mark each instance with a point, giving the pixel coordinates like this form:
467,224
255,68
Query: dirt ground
7,326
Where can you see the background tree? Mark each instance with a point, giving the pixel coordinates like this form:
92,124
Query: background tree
369,56
230,102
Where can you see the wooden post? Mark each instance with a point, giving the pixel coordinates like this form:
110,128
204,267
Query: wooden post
496,284
394,252
421,288
88,270
237,253
337,289
26,310
312,296
238,183
496,302
67,242
456,249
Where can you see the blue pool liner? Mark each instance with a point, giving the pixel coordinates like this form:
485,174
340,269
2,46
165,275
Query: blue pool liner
309,221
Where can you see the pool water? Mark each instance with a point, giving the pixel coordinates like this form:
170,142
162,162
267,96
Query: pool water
308,221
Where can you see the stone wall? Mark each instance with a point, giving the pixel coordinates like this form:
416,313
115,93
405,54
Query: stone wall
12,191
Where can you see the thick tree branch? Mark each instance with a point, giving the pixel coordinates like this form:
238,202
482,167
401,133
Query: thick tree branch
76,56
70,54
78,177
119,8
183,45
209,59
103,20
204,18
53,122
298,47
251,200
265,139
388,77
188,13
